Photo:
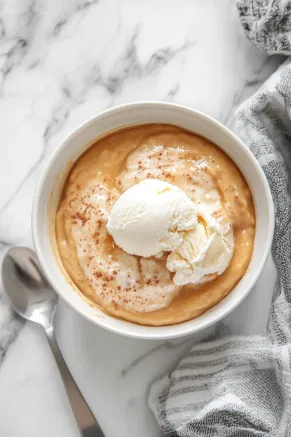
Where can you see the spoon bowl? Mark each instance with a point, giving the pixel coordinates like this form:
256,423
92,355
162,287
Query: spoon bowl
26,287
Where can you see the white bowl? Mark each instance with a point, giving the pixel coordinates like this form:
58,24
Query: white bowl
50,184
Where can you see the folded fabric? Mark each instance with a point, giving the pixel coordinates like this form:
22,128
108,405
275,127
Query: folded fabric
241,386
267,23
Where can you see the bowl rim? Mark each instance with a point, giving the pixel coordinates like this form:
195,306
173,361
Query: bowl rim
154,335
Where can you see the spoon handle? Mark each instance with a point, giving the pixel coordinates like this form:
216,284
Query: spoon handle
87,423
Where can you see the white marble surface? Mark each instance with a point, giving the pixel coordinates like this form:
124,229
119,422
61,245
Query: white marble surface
61,62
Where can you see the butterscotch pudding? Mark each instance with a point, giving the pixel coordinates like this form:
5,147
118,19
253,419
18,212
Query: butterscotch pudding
155,224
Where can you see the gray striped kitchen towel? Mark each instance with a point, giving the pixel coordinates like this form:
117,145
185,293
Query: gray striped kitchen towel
241,386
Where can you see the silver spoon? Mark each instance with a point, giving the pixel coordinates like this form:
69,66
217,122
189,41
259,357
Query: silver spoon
32,298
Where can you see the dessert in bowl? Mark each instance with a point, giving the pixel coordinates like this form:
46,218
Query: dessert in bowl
155,225
159,226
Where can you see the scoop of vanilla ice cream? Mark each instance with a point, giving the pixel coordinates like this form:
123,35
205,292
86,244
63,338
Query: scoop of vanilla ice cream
205,250
155,216
151,217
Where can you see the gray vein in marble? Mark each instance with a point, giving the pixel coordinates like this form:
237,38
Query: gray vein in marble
14,56
236,99
164,346
59,26
220,330
250,86
87,3
84,4
2,29
10,323
169,97
132,66
30,14
10,328
18,188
